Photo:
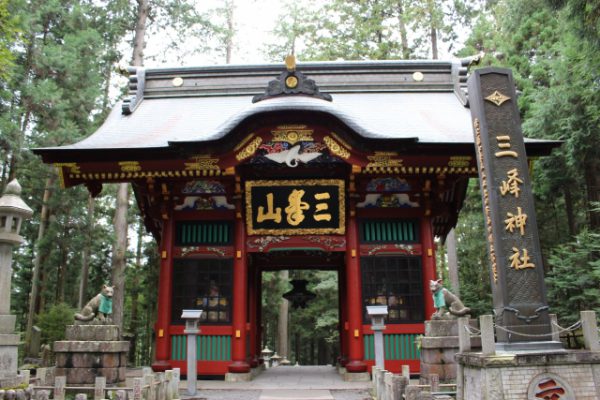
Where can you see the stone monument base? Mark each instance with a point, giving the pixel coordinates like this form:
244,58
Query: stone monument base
91,351
438,348
570,374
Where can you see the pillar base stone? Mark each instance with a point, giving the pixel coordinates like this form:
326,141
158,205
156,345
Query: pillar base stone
161,366
357,377
238,377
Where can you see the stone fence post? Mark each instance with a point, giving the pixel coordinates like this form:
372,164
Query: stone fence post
464,337
59,387
176,377
406,371
99,387
162,386
589,326
169,383
138,383
488,341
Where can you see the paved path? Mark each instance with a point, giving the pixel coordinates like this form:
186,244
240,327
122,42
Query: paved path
286,383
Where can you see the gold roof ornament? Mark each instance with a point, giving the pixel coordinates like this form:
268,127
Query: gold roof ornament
291,82
290,62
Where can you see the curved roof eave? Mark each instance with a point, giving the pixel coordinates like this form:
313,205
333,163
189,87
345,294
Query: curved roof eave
296,103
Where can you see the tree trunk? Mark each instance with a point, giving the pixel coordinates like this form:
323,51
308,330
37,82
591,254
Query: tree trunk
282,322
434,46
452,261
119,253
85,260
569,212
402,28
35,280
592,183
120,221
139,40
230,8
134,323
62,269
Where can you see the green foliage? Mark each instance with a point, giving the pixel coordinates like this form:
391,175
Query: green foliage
314,330
574,282
363,30
54,321
474,268
9,30
554,56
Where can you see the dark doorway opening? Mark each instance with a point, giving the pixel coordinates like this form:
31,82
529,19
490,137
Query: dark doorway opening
313,332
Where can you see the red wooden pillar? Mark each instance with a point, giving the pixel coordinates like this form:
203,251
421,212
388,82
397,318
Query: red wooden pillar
356,349
429,272
252,301
165,288
343,317
259,325
240,299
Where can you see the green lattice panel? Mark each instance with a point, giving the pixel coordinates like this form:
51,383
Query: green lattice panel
208,347
396,347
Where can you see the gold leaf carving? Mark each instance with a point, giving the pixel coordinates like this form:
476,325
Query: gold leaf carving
335,148
342,141
497,98
130,166
249,150
73,167
292,135
202,163
384,160
243,142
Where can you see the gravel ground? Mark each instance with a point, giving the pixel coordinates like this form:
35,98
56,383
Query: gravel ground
255,395
351,394
225,395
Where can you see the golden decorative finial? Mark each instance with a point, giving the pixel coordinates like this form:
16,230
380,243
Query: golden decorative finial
290,62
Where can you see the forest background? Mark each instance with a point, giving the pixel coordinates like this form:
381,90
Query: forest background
58,81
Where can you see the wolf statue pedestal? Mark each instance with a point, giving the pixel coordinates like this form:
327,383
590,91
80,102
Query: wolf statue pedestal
91,351
438,348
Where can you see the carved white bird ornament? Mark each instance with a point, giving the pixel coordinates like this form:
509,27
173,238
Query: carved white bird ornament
292,156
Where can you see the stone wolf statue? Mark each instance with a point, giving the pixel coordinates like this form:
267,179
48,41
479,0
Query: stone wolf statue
98,308
444,300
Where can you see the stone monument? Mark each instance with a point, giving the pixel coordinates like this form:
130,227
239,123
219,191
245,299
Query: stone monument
92,347
12,212
525,359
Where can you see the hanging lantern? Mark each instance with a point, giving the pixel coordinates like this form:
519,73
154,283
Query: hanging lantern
299,295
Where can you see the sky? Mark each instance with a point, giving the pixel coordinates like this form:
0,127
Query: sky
254,22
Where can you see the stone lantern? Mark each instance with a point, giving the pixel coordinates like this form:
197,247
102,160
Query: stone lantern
378,314
191,317
13,211
266,355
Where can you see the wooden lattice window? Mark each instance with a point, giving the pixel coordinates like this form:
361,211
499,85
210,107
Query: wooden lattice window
191,233
395,282
389,231
203,284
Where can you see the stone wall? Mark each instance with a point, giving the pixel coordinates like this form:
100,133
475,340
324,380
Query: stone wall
514,376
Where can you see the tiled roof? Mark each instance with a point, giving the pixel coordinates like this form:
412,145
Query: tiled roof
420,101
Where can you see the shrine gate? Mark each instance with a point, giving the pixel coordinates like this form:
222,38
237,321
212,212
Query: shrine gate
348,166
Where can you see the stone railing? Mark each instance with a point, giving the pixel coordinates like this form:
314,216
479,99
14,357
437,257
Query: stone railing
151,386
388,386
